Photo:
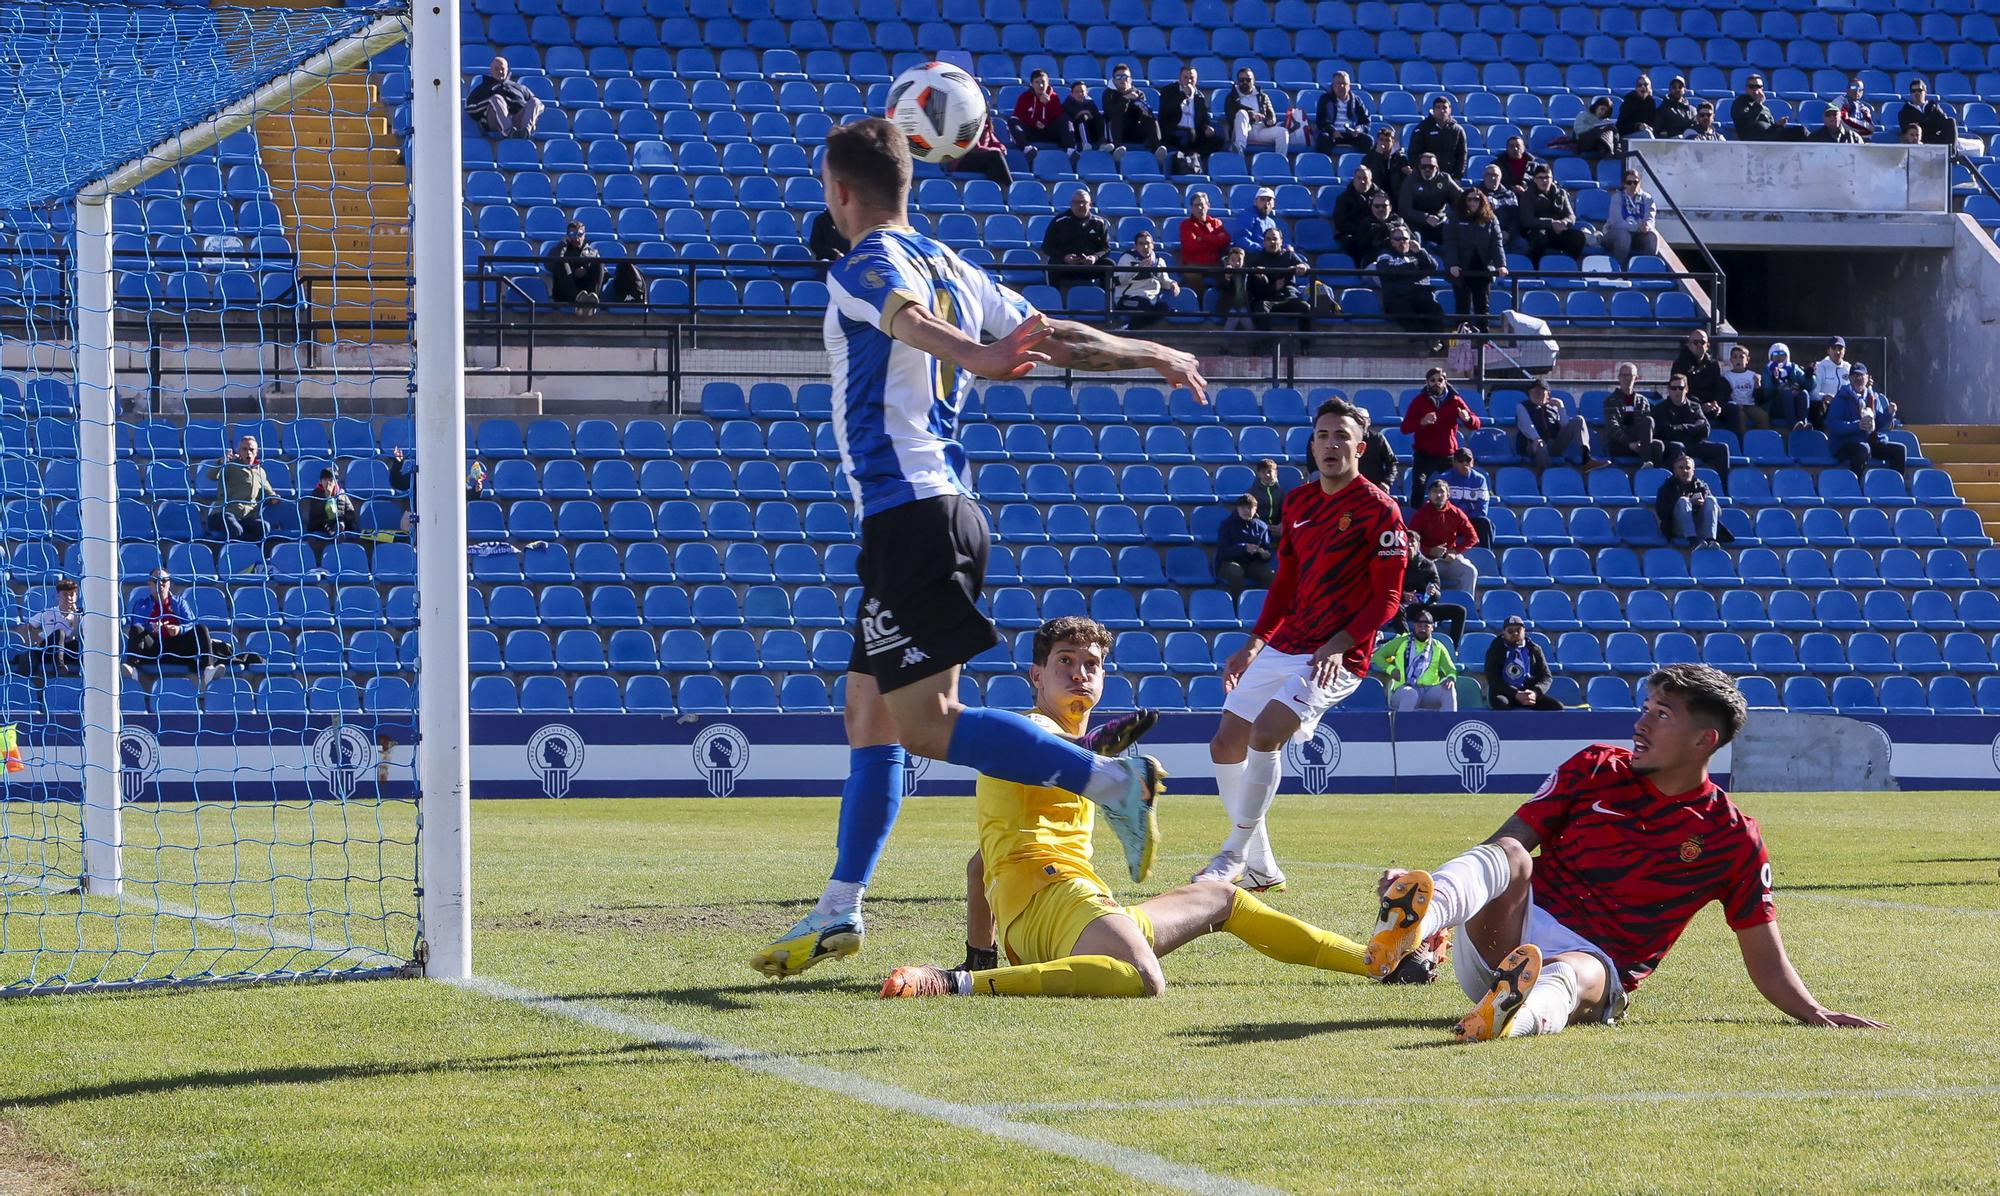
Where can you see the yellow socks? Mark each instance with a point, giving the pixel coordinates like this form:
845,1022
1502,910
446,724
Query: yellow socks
1288,940
1075,976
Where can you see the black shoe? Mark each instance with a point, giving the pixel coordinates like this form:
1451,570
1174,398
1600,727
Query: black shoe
979,959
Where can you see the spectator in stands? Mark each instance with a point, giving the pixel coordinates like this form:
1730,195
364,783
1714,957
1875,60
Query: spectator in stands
1911,135
1684,428
1833,129
475,481
1516,164
1243,547
1829,375
1427,199
1077,245
987,158
1378,460
1628,230
1545,432
1254,225
1268,495
243,489
1417,669
1146,289
1704,127
1278,284
1439,134
1595,131
1686,507
161,630
1128,117
1505,202
1235,308
1922,110
1385,162
1675,114
1342,120
1038,118
1475,253
1445,534
329,510
1706,386
1628,419
1469,492
1251,118
1383,223
1753,119
1855,110
1858,422
825,242
1404,273
1086,119
1517,673
576,273
53,637
1638,110
1422,591
1432,423
1548,219
500,105
1204,240
1186,128
1788,393
1351,225
1744,410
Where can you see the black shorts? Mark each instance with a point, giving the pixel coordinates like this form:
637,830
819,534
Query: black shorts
922,566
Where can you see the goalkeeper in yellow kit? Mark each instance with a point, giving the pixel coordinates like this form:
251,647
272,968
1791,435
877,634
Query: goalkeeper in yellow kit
1057,921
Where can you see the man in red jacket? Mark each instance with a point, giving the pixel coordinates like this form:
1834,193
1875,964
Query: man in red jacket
1432,422
1038,116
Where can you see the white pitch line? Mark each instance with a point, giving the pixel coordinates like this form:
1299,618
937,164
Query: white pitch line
1960,1091
1873,903
1126,1161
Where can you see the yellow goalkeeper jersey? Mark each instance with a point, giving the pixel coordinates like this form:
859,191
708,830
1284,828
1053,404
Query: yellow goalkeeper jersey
1031,836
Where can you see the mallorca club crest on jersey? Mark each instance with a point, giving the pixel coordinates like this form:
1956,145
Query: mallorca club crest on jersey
555,753
721,753
1315,759
138,760
914,768
1473,749
341,754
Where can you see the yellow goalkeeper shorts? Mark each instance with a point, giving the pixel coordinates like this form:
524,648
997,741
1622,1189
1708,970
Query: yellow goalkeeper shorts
1047,929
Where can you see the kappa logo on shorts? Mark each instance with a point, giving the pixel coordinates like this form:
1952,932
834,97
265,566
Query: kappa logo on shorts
913,655
879,630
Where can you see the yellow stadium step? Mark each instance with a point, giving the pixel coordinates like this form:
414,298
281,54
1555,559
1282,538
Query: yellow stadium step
1976,492
342,155
1956,433
1956,452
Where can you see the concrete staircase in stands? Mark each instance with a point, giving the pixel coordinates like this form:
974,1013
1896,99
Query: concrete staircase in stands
1970,453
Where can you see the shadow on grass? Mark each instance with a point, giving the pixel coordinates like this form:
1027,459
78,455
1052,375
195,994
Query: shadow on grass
1878,885
731,998
1957,859
1249,1032
787,903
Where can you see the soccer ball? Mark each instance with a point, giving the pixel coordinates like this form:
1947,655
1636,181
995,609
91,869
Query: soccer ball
940,108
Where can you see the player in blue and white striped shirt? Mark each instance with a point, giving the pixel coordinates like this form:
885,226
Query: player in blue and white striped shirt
907,328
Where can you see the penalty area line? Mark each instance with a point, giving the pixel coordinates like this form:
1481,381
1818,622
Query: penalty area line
1941,1092
1124,1160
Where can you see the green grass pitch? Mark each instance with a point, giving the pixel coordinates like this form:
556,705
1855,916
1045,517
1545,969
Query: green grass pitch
1247,1073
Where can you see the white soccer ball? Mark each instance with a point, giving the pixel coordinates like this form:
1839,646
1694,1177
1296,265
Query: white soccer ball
940,108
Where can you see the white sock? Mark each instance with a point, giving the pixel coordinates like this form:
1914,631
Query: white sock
1549,1003
1229,787
1464,886
1260,785
841,897
1258,855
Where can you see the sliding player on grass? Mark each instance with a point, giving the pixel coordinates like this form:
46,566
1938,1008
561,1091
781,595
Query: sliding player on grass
1340,577
1633,843
1058,922
906,330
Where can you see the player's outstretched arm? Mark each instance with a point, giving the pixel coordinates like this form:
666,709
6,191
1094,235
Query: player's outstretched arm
1077,346
1772,972
1004,360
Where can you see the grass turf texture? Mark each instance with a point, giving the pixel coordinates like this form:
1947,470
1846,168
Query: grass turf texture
1273,1075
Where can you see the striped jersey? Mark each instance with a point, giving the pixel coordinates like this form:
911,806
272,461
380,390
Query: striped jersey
895,407
1628,867
1340,567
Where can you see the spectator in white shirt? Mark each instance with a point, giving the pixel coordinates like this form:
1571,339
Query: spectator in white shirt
1742,413
1145,289
55,636
1829,374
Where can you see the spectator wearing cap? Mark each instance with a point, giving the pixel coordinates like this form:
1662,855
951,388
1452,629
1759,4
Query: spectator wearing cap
1432,423
1387,163
1077,245
1628,227
1753,119
1858,422
1628,418
1145,288
1788,390
1038,117
1204,239
1243,547
1128,116
1469,493
1684,428
1427,198
1594,132
1674,115
1638,110
1251,118
1186,127
161,630
1856,112
1545,432
1829,372
1923,111
1403,271
1517,673
1259,220
1686,508
1833,129
1706,387
1342,119
329,510
1745,409
1350,214
1548,218
1439,134
1704,127
1417,669
1422,591
1446,534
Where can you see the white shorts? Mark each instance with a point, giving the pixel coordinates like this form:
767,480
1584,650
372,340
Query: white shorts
1554,939
1287,678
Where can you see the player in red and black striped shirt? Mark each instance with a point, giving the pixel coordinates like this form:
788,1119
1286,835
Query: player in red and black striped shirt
1633,844
1340,576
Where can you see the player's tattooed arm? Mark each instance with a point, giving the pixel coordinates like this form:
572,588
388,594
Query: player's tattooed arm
1080,347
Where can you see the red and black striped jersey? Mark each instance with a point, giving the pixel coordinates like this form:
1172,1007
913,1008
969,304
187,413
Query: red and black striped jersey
1628,867
1340,567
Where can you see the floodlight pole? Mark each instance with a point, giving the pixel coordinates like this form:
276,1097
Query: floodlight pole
97,491
444,778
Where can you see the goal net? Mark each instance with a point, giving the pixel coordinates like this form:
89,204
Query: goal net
209,685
